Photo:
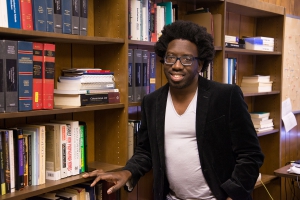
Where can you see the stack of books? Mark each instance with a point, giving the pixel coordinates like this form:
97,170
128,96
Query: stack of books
256,83
261,121
81,87
234,42
259,43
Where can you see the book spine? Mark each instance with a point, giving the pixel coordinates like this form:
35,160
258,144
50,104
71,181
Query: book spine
89,99
25,66
2,77
25,156
82,157
11,79
2,167
152,73
144,72
83,17
12,164
13,14
39,10
63,139
29,172
153,21
49,16
37,82
26,15
6,160
137,77
42,156
75,16
52,152
135,20
130,75
57,17
76,150
66,7
48,75
69,150
20,176
3,14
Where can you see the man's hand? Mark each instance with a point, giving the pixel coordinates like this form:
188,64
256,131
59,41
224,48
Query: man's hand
119,178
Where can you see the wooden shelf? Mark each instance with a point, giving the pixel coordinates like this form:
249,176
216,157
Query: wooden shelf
254,8
39,36
60,111
55,185
140,43
261,93
265,179
133,104
260,134
251,52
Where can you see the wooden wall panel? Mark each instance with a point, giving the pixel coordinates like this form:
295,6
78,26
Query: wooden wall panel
292,6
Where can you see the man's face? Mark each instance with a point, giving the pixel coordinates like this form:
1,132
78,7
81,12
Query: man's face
178,75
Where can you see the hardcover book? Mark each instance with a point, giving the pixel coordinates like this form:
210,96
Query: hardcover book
3,14
2,77
8,58
13,14
48,75
25,66
130,75
26,159
66,7
83,17
83,134
26,15
50,16
152,73
57,17
145,68
137,75
2,165
37,85
75,16
39,10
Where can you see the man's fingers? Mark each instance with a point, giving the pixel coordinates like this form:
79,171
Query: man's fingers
93,173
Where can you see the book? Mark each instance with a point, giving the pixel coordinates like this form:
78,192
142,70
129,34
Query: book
13,14
258,89
258,130
66,7
26,159
57,17
256,78
76,100
144,21
137,75
18,157
153,21
37,82
48,75
3,14
233,45
57,91
53,151
135,20
91,78
9,73
39,10
231,39
130,75
88,189
28,166
75,16
152,73
259,114
144,73
257,84
25,75
130,139
83,19
2,165
261,122
267,125
49,16
79,191
160,19
83,146
167,11
66,195
26,15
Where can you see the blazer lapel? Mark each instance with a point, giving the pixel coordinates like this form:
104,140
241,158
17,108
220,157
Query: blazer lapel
161,103
202,110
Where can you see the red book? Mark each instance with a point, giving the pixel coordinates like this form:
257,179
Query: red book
26,14
37,86
48,75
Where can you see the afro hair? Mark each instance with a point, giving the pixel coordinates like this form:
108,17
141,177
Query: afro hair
188,31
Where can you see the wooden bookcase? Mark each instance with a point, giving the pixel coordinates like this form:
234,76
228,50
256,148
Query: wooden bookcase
248,18
106,47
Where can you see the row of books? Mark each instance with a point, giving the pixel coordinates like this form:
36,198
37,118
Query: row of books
229,71
34,153
60,16
133,128
262,121
86,86
27,74
141,73
147,19
256,83
82,191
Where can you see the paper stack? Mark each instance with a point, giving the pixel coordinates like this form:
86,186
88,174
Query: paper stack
261,121
256,83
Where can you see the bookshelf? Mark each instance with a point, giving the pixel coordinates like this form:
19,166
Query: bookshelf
249,18
105,46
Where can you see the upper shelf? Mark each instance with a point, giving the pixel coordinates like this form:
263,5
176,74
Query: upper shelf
60,111
39,36
251,52
254,8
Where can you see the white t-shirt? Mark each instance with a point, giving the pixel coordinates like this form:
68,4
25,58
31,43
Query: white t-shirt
183,166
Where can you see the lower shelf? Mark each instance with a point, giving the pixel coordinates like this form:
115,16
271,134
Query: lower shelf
49,186
265,179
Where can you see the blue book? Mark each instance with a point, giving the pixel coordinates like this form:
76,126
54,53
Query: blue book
13,14
50,16
137,75
57,17
39,11
145,86
66,7
130,75
25,75
152,72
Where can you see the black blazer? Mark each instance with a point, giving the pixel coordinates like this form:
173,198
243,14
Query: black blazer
228,146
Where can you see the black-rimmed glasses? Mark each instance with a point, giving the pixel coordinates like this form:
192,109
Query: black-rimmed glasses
184,60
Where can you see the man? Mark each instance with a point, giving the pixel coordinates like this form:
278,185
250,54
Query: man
196,134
